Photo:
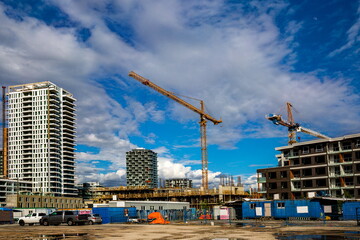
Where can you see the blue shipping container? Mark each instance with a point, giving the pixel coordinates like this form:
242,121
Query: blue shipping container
256,209
296,208
350,209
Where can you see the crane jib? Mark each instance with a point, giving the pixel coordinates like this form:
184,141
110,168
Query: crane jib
203,117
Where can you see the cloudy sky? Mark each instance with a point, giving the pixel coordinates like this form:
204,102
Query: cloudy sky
245,59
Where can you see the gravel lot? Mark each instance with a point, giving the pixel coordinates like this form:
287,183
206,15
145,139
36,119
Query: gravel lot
194,230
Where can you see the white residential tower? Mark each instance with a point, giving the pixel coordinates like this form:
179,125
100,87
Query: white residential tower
41,137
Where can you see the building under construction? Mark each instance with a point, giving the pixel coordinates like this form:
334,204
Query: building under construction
198,198
322,167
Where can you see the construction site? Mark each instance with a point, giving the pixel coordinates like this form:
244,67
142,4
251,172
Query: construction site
198,198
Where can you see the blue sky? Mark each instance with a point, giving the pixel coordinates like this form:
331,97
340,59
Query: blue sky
245,59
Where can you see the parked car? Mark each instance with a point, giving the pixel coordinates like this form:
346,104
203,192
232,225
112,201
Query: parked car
31,219
69,217
94,218
136,220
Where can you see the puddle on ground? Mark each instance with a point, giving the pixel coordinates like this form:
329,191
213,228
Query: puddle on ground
249,225
225,239
353,235
60,236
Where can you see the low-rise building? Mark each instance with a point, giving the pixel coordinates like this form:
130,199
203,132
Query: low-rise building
43,201
148,205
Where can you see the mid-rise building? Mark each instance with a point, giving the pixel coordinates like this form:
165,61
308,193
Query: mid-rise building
86,190
141,168
322,167
178,183
41,137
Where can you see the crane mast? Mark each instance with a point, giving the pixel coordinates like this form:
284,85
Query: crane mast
203,120
292,126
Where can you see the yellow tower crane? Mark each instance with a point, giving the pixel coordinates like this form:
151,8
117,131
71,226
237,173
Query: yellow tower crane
203,119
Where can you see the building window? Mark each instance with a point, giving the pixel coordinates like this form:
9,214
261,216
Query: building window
320,171
272,185
348,169
321,183
283,174
319,148
296,173
357,144
320,159
142,207
346,146
307,172
305,149
358,167
272,175
348,157
295,161
161,208
281,205
306,161
286,153
297,185
308,184
152,208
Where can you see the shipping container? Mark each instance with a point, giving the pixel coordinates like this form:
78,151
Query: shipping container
301,209
6,216
256,209
351,210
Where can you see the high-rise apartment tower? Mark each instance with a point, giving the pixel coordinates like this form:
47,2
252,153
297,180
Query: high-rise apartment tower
141,168
41,137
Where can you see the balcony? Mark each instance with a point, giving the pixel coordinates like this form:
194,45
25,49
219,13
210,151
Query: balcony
68,142
69,132
262,180
69,113
68,107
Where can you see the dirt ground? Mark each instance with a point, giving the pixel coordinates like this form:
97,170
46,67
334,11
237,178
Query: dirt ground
195,230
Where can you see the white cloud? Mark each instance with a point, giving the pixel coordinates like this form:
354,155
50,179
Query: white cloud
250,182
91,174
234,63
353,36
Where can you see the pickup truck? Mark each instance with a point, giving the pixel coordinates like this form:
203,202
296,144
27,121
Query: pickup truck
69,217
31,219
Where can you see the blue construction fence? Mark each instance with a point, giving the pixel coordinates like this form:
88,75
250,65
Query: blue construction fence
285,209
122,214
115,214
175,215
